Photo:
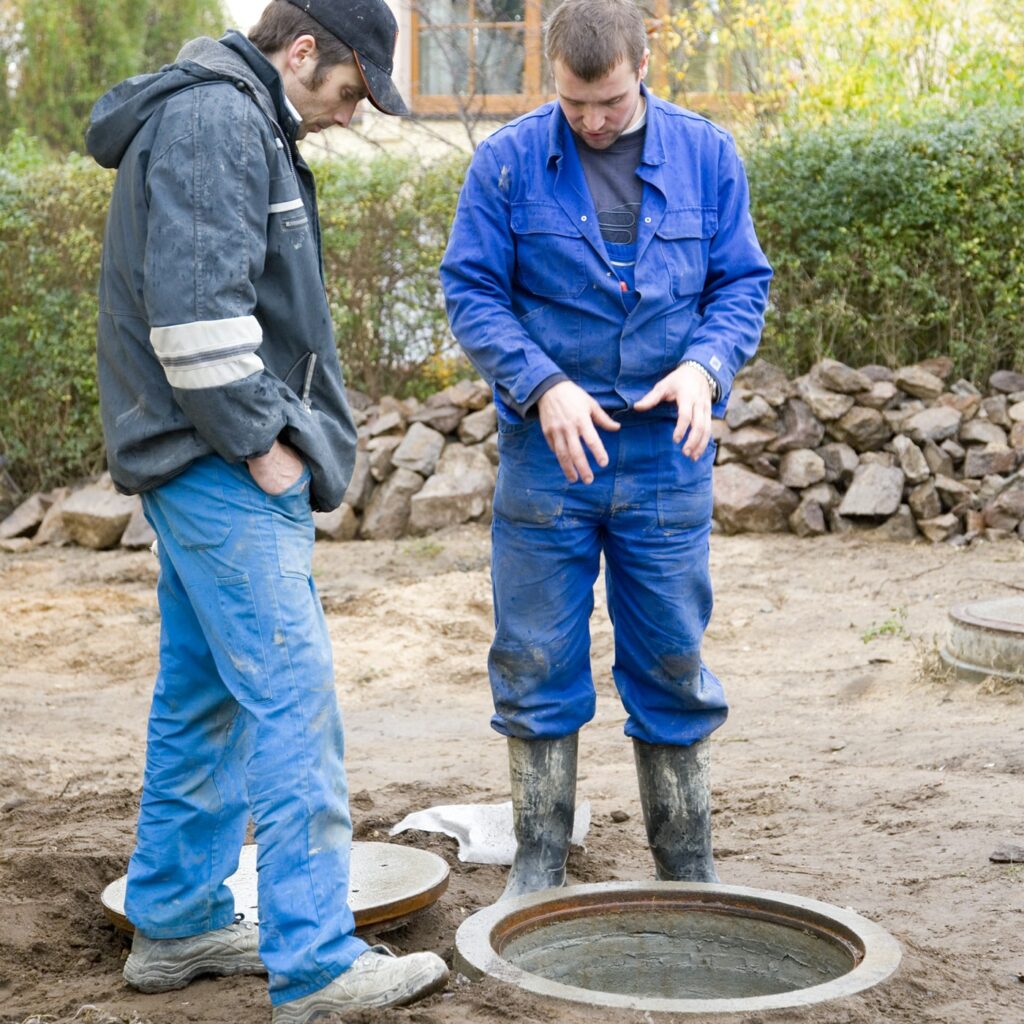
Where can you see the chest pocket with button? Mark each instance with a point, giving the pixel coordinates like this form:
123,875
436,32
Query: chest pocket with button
550,251
684,238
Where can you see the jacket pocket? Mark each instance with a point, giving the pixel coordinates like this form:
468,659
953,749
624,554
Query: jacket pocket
684,238
550,251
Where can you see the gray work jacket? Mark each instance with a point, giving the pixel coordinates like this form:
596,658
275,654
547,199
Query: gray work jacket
214,332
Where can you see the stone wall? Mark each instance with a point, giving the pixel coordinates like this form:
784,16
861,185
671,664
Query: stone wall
895,453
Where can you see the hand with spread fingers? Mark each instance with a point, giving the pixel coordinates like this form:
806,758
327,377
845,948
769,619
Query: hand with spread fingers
690,389
567,417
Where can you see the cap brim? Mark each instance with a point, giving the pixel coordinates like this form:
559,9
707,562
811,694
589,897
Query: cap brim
382,92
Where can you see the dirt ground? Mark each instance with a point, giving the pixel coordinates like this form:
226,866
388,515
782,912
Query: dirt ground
851,769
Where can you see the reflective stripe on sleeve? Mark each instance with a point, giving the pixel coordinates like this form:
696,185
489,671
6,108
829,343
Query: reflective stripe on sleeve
209,353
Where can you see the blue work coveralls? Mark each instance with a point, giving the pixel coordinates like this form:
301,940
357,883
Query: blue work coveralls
532,295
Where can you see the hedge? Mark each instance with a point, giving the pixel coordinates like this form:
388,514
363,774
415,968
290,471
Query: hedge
889,245
894,244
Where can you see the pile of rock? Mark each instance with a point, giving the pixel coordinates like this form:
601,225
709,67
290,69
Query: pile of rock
419,468
899,453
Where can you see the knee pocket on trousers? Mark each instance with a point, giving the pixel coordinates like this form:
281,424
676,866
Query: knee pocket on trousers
245,652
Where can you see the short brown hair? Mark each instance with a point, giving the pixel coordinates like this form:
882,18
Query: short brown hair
591,36
281,23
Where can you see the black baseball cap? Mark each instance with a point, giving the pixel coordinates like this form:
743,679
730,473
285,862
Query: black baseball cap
369,28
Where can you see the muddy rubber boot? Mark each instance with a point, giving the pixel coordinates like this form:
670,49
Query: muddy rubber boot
675,793
543,776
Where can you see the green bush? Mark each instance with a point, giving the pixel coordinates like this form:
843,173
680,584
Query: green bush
51,230
892,244
385,225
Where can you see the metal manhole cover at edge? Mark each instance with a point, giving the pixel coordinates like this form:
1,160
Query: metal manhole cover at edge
986,638
676,947
389,883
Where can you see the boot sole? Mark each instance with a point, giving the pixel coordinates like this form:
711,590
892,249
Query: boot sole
168,977
390,997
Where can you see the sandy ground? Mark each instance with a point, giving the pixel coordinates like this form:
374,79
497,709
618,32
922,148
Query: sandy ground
851,769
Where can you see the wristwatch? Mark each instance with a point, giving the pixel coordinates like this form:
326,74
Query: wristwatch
712,383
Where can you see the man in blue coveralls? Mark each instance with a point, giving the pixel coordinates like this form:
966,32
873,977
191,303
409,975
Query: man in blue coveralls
604,274
223,405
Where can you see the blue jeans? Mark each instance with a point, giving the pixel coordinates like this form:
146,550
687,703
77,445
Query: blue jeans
649,513
244,717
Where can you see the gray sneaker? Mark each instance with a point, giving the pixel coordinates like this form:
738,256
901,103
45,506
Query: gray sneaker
159,965
376,978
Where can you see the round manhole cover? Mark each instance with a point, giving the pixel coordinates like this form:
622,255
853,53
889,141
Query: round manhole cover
676,947
388,884
986,638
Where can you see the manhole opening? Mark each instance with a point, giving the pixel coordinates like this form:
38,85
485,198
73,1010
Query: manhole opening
676,947
689,951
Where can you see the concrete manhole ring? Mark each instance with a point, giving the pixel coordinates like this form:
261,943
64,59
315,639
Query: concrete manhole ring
676,947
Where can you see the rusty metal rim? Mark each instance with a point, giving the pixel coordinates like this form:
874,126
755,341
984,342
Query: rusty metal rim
960,614
480,937
393,914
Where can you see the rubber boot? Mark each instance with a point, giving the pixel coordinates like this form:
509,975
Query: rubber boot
675,793
543,776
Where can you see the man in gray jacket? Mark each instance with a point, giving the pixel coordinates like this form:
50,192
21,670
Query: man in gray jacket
223,406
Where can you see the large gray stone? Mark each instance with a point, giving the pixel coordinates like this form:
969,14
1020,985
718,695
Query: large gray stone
420,449
51,530
478,426
748,502
883,393
341,524
863,429
360,487
982,432
919,382
801,469
460,458
934,424
825,495
840,462
138,534
898,527
941,528
911,458
992,459
380,451
953,492
763,378
745,408
837,376
747,441
454,497
25,519
808,520
964,402
387,515
875,491
800,428
939,461
96,517
466,394
1006,381
996,409
388,422
924,501
941,366
826,405
445,419
875,373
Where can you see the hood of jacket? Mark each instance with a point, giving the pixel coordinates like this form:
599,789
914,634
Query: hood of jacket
118,115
